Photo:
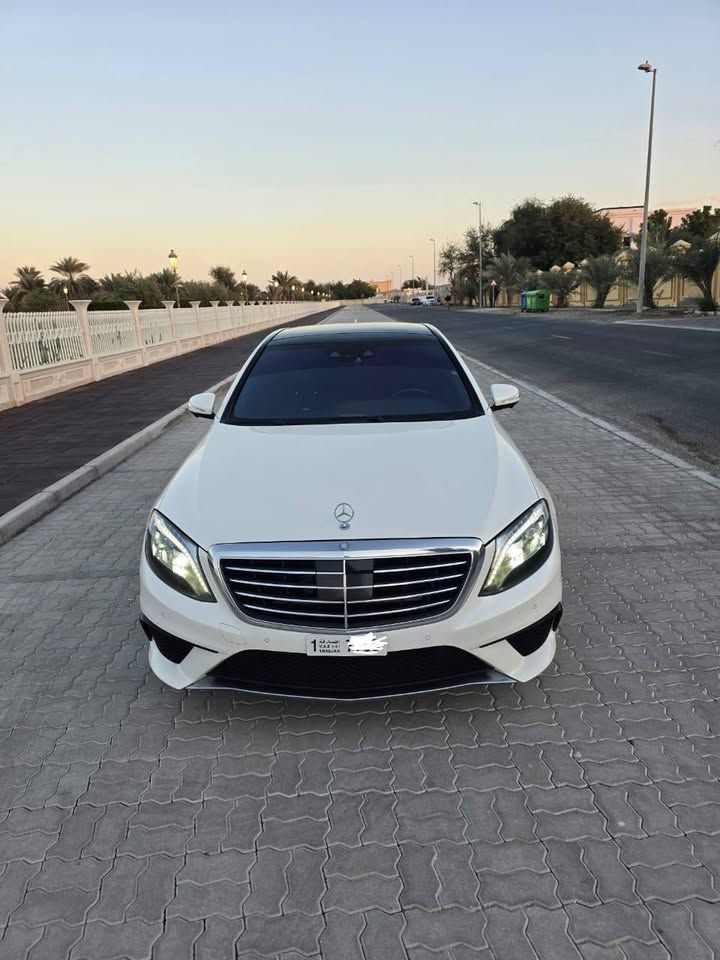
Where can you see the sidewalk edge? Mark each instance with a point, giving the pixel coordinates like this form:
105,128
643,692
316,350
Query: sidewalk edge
670,458
30,511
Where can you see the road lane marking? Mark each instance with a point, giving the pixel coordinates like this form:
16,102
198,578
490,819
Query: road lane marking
656,353
559,336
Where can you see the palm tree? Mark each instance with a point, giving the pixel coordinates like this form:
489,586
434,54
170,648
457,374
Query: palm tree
72,276
699,264
284,282
562,283
449,261
601,273
660,260
224,276
27,279
509,272
168,281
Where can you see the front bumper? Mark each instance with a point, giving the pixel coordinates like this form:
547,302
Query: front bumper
498,638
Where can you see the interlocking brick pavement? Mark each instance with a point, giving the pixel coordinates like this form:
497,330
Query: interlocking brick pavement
576,816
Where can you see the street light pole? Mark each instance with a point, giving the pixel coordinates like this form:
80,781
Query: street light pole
400,280
172,260
412,270
646,67
434,268
478,204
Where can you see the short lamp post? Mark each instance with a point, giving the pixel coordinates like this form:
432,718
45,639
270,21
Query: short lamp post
243,277
65,292
646,67
173,261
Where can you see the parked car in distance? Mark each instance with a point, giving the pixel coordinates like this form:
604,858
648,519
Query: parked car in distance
416,301
429,300
354,524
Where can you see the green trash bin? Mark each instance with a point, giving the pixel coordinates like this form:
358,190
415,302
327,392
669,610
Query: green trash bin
538,301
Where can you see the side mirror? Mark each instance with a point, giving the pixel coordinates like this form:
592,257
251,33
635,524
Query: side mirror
503,395
202,405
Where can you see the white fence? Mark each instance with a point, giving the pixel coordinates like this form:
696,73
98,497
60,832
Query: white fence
45,353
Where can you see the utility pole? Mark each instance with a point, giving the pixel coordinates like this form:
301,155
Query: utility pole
646,67
434,268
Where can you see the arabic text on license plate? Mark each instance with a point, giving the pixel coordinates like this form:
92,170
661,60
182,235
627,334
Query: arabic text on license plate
358,645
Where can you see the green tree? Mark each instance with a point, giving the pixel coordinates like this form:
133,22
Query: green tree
72,275
167,281
118,287
509,272
697,226
415,283
699,264
601,273
449,261
204,292
43,299
562,283
568,229
224,276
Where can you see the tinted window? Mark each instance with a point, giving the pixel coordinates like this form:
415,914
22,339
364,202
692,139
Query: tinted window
340,380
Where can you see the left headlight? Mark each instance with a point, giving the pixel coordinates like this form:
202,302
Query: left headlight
520,549
174,558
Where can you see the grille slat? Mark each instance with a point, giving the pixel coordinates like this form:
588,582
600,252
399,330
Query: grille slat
346,592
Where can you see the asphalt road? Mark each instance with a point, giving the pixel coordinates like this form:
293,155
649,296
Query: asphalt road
661,384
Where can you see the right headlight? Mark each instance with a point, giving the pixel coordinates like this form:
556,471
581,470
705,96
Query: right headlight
174,558
520,549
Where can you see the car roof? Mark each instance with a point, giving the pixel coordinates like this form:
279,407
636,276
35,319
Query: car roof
375,330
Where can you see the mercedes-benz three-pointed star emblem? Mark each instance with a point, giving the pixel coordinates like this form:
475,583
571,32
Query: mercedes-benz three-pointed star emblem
344,514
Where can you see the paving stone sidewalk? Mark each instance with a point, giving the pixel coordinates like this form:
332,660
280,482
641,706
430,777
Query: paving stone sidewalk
576,816
47,439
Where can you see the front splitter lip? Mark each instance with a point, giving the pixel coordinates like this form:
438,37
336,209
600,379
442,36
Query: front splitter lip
209,682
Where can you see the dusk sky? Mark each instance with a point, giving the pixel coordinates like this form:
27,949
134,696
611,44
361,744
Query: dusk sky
333,139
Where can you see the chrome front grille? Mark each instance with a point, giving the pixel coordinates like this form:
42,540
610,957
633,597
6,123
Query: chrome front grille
354,591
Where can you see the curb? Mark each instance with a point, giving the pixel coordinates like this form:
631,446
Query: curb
25,514
670,458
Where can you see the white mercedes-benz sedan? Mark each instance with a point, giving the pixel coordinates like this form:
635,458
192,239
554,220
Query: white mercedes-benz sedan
355,523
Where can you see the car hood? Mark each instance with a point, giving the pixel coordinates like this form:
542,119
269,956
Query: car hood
460,478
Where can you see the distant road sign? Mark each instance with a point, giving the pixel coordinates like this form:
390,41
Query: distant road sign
493,283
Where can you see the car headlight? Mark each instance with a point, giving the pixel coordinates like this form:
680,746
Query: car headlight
174,558
520,549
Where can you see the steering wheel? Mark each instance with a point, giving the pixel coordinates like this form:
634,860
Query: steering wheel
410,392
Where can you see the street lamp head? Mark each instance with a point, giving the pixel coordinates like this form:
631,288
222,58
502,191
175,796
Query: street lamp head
172,260
646,67
244,276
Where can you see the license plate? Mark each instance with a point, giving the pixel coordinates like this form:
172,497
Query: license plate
357,645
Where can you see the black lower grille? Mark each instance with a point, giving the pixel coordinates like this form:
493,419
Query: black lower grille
350,678
347,593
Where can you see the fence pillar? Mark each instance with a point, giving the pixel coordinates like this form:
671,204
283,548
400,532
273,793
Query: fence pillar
6,365
195,304
170,306
134,308
81,309
214,304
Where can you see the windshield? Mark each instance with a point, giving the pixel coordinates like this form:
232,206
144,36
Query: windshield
343,381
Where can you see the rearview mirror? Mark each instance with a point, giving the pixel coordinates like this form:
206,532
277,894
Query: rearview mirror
503,395
202,405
